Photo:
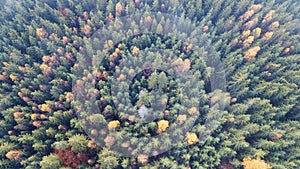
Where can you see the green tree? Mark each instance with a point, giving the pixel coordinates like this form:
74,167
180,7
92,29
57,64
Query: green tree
50,162
108,159
78,143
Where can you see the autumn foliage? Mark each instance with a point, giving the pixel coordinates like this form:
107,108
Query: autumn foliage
13,154
163,125
249,163
113,124
41,32
191,138
251,53
70,158
156,69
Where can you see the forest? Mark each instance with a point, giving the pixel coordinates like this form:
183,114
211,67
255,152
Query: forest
162,84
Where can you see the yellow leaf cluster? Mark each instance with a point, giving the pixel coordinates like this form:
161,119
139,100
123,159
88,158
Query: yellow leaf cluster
256,32
110,17
181,119
205,28
115,54
249,163
250,12
5,64
231,119
86,29
233,100
37,124
268,16
41,32
13,154
46,58
34,116
113,124
191,138
118,51
250,23
131,72
268,35
65,40
255,7
182,66
119,8
13,77
148,19
86,15
53,36
110,43
247,15
22,69
142,158
235,42
122,77
274,26
92,144
245,34
45,108
286,51
248,41
162,125
18,115
276,136
251,53
43,117
45,69
192,110
69,97
135,50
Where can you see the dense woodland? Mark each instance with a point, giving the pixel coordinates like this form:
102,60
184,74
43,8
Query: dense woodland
43,44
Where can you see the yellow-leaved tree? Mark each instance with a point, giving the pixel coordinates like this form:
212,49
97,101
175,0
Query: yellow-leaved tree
251,53
249,163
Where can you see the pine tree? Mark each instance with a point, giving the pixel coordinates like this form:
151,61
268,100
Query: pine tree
50,162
